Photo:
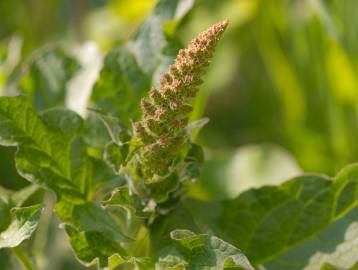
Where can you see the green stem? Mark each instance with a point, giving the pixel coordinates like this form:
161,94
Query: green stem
24,258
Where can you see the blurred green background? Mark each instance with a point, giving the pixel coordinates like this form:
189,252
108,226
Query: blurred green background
281,93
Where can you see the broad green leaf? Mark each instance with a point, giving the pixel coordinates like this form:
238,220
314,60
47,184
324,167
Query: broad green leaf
51,154
23,223
300,224
336,245
95,132
92,248
202,251
130,69
46,77
96,236
120,86
69,122
46,156
96,232
91,216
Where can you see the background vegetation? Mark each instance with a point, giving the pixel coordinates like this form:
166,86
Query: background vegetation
281,95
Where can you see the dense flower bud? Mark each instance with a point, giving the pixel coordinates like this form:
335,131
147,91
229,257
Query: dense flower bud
147,108
141,133
165,113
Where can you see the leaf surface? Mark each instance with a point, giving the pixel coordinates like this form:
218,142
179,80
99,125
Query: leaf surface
300,224
46,77
202,251
51,153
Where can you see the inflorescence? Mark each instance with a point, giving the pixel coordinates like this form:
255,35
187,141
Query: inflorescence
166,110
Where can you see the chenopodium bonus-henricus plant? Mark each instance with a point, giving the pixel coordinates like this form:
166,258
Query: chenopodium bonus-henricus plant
161,134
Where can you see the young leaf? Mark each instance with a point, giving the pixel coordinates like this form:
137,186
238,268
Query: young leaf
10,199
23,223
202,251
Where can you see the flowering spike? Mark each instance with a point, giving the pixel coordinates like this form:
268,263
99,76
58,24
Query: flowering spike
142,134
165,114
147,108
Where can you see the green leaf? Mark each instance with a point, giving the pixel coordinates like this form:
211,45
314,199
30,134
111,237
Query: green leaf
51,154
68,122
335,245
4,213
115,155
46,77
6,260
163,225
120,86
91,216
46,156
328,266
10,178
92,248
202,251
194,161
23,223
17,223
95,131
97,234
304,222
160,190
154,48
129,70
123,197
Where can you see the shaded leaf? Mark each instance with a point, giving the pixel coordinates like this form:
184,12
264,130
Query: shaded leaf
46,77
120,86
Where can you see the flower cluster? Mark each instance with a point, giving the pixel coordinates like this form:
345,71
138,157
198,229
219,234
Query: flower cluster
166,110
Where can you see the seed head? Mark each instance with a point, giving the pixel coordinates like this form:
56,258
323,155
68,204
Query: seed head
165,113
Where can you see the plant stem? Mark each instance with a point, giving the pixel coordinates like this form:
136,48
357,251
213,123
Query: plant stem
24,258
